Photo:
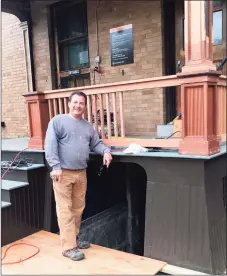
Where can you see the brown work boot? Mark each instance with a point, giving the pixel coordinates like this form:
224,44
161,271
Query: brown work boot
74,254
82,244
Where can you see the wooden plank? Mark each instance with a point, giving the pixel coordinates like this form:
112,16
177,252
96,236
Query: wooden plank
60,106
66,108
64,74
102,117
50,109
89,109
49,261
95,113
55,107
108,116
115,114
140,84
162,143
122,117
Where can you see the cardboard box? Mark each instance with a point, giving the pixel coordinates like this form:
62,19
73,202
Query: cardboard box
177,126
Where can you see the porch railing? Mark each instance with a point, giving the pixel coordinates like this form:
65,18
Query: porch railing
109,99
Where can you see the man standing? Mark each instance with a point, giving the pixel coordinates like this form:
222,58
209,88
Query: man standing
69,140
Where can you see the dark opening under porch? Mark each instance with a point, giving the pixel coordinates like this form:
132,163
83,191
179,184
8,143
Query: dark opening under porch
114,215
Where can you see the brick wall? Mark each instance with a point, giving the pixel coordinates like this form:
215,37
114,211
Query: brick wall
14,80
143,109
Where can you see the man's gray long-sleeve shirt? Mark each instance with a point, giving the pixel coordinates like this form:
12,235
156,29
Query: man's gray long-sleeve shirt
68,143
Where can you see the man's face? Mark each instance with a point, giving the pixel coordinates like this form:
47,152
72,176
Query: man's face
77,105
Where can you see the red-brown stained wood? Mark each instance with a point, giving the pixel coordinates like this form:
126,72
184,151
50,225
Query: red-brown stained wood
102,117
124,142
198,97
198,120
50,109
220,111
115,114
178,99
198,40
60,106
66,108
89,109
94,109
122,117
55,107
108,116
199,83
163,81
38,118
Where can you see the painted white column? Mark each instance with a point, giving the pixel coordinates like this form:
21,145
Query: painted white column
24,26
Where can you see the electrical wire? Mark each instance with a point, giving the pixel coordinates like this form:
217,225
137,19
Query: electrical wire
173,134
20,261
13,162
17,244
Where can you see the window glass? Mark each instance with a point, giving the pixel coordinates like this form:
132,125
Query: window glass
74,55
78,55
217,27
72,21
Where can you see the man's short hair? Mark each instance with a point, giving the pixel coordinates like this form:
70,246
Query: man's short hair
78,93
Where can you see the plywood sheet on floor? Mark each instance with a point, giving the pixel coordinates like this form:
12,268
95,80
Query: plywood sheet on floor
99,260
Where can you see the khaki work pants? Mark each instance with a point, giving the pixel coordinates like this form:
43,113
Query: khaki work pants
70,194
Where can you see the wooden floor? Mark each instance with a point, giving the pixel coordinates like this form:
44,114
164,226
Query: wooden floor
99,260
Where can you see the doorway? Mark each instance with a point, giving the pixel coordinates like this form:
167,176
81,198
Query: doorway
169,57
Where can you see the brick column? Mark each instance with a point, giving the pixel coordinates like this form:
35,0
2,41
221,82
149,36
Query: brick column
199,82
38,118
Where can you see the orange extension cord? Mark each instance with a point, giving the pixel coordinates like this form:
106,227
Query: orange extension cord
20,261
38,250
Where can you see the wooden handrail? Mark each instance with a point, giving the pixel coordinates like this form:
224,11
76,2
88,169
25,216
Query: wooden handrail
157,82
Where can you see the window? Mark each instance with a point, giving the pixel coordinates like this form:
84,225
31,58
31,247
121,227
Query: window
71,43
217,22
72,34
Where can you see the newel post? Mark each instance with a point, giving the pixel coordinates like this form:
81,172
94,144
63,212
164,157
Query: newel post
199,82
38,118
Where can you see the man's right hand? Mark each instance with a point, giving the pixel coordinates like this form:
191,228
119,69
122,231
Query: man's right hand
56,175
